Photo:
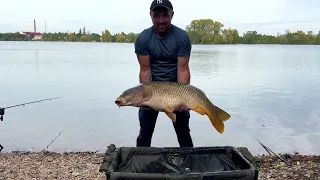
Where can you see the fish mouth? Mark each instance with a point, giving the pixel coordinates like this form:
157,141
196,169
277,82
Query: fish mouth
118,102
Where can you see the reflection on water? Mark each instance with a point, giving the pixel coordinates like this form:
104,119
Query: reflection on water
271,92
205,64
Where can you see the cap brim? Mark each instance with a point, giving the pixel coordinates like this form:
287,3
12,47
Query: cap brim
160,6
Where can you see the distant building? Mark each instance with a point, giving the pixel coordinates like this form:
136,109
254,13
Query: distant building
36,35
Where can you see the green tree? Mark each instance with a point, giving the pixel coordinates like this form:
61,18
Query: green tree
106,36
121,37
200,31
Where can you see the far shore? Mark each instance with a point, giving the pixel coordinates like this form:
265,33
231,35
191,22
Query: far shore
93,42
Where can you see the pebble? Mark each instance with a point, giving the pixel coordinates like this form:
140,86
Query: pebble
47,165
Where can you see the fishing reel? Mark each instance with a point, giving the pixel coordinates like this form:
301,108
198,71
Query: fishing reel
1,113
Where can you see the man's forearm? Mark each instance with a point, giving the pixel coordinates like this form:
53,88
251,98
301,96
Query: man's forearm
145,75
184,76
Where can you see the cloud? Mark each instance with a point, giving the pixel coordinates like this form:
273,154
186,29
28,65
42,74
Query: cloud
265,16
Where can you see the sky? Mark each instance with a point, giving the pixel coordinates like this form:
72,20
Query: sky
265,16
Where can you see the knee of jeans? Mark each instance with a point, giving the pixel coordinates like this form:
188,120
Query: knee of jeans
145,133
182,130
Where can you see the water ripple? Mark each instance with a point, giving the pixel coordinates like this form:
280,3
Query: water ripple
271,91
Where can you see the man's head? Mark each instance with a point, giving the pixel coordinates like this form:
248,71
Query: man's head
161,12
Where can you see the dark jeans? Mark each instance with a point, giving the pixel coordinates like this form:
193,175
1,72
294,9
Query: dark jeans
148,118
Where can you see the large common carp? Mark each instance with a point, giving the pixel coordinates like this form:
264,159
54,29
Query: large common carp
171,96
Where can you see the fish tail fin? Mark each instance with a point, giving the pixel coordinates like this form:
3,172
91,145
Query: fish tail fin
217,124
218,118
222,115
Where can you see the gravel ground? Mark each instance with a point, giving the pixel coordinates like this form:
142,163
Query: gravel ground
49,165
85,165
300,167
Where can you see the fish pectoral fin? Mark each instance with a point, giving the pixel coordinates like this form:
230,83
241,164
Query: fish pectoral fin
199,110
146,94
169,112
171,115
169,109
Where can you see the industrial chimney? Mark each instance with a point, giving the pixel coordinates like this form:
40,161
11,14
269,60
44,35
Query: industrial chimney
34,25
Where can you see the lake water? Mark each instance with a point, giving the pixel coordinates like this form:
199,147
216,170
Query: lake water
271,91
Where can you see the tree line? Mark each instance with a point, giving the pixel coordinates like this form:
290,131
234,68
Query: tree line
200,31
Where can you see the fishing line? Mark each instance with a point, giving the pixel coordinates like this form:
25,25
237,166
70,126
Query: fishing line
2,110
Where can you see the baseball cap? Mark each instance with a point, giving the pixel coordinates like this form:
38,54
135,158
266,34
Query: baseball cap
164,3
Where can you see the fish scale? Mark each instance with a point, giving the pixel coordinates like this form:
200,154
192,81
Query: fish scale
170,96
176,93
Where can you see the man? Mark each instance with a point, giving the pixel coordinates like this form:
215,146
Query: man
163,52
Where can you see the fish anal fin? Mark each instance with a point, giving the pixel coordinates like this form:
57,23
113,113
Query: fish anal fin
171,115
199,110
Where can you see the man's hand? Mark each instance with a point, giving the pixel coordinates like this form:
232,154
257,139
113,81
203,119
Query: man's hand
183,108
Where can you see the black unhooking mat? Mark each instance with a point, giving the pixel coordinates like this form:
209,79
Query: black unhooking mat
140,163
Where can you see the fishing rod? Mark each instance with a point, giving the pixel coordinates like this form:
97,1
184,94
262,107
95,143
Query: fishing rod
2,110
269,150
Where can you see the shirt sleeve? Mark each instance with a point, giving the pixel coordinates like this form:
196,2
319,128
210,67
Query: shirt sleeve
140,45
184,49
